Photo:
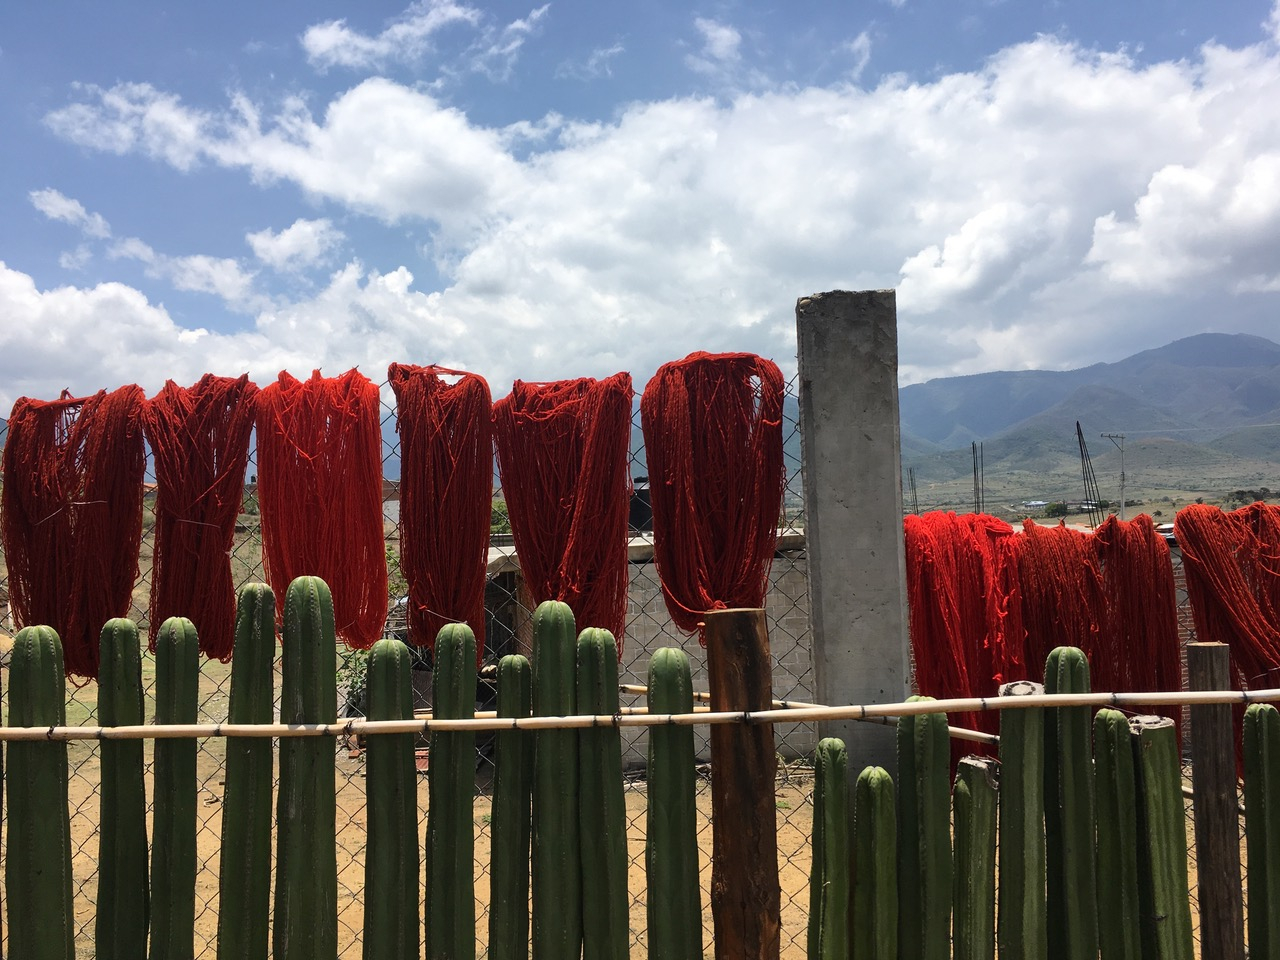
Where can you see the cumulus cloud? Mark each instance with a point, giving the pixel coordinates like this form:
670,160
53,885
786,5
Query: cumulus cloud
720,47
1028,211
222,277
304,244
405,39
64,209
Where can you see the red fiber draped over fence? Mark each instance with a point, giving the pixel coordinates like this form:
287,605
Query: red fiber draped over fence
446,496
320,492
72,522
1232,564
1140,645
563,457
713,438
199,437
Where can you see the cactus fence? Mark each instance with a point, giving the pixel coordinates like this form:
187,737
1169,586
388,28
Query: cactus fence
509,610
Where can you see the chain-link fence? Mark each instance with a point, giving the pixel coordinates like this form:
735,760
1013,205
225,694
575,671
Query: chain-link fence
508,630
508,611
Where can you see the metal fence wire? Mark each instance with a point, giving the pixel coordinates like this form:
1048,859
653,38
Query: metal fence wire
508,608
508,611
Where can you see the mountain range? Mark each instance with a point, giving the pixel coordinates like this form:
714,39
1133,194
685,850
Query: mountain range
1191,415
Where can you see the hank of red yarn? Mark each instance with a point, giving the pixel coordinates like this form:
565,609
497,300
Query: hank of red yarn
320,492
1063,603
446,496
72,525
1232,564
713,438
199,438
562,454
1140,643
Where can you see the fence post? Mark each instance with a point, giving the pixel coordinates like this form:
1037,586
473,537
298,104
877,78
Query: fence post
1213,785
745,896
848,357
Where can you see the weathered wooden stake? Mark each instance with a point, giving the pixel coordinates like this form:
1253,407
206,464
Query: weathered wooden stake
1213,786
745,895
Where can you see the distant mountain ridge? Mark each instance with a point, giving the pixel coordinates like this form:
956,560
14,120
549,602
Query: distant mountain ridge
1201,387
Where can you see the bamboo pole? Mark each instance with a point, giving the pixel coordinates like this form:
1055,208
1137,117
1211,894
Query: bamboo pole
357,727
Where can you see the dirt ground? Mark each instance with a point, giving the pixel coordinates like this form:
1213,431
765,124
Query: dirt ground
794,819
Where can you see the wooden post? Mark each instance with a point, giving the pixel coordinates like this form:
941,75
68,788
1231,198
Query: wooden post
745,904
1213,785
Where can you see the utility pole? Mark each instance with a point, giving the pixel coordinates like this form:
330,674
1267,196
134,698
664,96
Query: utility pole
1118,440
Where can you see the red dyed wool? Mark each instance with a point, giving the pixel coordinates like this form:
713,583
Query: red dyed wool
320,492
446,496
955,637
1140,641
199,437
562,454
1063,603
72,522
713,437
1232,564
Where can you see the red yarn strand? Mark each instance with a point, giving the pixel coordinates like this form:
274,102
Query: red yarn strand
713,437
199,437
446,497
72,523
563,458
320,491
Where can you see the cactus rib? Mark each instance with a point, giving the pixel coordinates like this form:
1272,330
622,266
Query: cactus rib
451,903
1020,930
924,829
829,878
120,929
173,846
1119,930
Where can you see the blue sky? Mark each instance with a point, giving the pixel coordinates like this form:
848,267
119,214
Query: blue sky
545,191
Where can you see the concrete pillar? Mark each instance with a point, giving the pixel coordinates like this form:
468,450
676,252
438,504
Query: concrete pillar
848,352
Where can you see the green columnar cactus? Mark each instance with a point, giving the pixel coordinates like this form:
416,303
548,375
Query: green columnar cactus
556,864
606,931
829,891
120,929
512,811
674,903
974,799
305,924
173,845
451,902
874,910
924,829
244,874
1020,932
38,852
1119,929
1069,821
1262,827
391,782
1162,856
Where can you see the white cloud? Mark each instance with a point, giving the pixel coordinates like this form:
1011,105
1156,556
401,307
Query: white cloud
599,63
56,206
304,244
222,277
1052,201
860,47
720,47
495,56
76,259
1272,23
405,39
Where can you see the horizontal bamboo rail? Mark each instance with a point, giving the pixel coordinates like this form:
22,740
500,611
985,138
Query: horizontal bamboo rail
357,727
956,733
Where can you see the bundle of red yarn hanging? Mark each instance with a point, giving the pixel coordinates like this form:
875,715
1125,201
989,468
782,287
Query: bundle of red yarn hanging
446,496
72,525
563,458
320,491
199,437
713,438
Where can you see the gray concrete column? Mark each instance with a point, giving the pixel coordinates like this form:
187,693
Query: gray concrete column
848,352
